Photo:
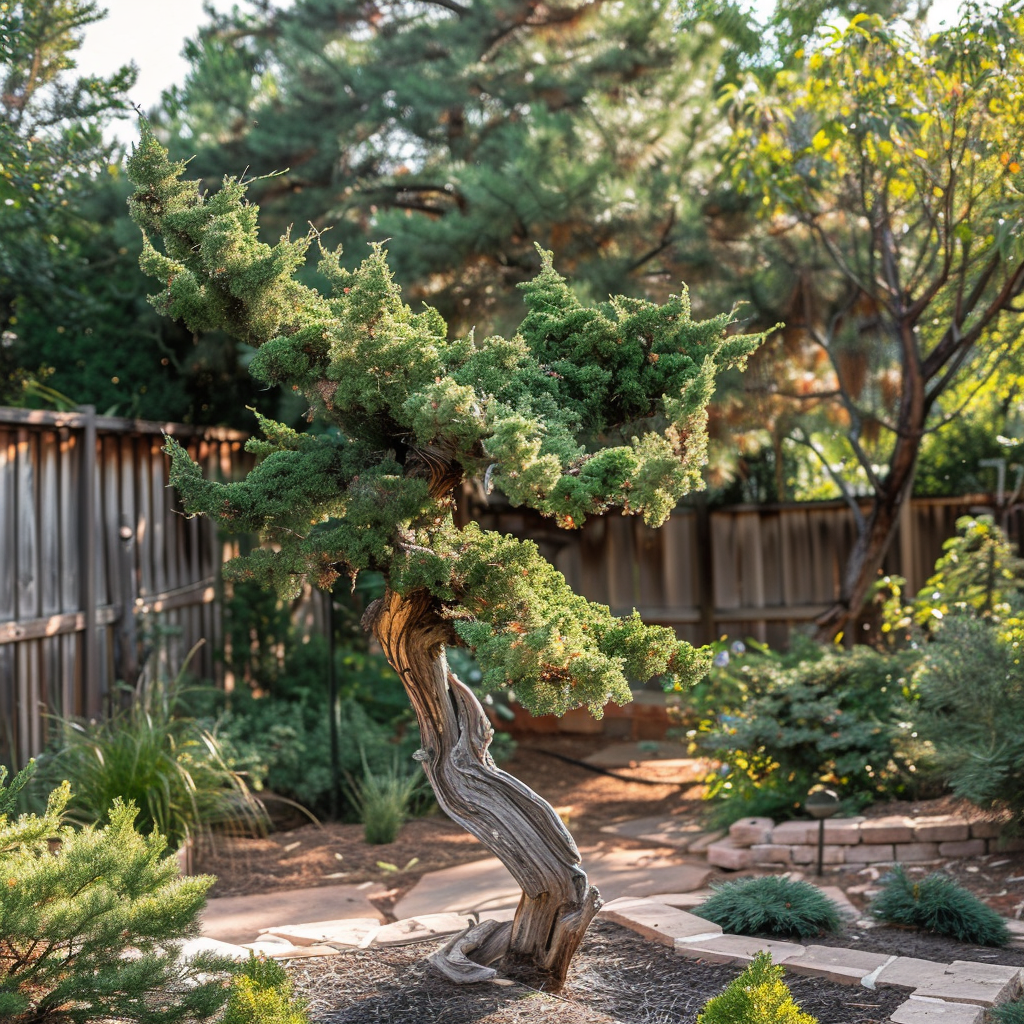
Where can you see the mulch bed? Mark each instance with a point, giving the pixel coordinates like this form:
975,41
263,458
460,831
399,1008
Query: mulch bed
616,977
914,942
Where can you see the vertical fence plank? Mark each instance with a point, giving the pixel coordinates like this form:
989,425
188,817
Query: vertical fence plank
9,751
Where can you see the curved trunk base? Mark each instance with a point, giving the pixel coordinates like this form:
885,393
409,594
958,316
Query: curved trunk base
513,822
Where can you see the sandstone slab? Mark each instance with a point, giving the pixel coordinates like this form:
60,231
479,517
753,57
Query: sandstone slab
921,1011
241,918
963,848
658,922
666,830
964,981
354,933
477,887
771,853
701,845
682,900
738,949
420,929
845,966
909,972
726,854
986,829
809,855
873,853
795,833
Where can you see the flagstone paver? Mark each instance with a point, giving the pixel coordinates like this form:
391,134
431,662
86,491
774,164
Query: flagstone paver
203,944
355,932
484,885
738,949
664,829
964,981
242,918
845,966
419,929
909,972
659,922
921,1011
666,755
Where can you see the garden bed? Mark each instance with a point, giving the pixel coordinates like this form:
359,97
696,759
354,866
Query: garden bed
896,941
616,977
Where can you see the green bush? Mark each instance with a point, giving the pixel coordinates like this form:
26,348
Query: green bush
816,715
384,799
261,993
89,932
1007,1013
971,683
938,904
770,906
165,763
757,996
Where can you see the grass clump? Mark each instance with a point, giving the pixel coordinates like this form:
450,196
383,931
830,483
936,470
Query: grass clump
938,904
770,906
383,799
757,996
1007,1013
261,993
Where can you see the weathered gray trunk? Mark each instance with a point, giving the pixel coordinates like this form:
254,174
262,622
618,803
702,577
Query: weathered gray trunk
512,821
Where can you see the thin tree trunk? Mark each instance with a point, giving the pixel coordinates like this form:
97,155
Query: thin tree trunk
512,821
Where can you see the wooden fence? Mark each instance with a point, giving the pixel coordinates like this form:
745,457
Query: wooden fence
93,549
744,571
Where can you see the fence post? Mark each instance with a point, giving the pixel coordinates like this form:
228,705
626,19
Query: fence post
92,684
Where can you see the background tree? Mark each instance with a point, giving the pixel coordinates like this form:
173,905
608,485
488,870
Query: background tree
464,133
583,410
888,166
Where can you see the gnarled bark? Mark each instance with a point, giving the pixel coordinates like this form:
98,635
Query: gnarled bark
512,821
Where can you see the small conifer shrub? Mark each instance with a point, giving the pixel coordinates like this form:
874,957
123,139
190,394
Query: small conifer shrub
261,993
1007,1013
757,996
89,933
941,905
770,906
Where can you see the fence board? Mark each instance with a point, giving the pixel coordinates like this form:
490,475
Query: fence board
56,607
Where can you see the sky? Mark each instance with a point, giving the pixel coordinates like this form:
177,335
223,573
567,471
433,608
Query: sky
154,40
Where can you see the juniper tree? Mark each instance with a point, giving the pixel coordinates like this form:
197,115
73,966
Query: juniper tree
583,411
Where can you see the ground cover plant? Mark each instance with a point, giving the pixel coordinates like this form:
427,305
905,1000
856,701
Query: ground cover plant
1007,1013
69,918
261,993
939,904
584,410
757,996
811,715
770,906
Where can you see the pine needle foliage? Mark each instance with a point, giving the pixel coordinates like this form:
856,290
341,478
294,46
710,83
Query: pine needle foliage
938,904
583,410
770,906
757,996
1007,1013
261,993
90,932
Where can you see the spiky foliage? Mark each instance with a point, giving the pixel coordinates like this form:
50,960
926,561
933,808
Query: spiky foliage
770,906
1007,1013
90,932
261,993
938,904
757,996
583,410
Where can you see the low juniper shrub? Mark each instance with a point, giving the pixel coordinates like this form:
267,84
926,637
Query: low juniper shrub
757,996
770,906
261,993
1007,1013
938,904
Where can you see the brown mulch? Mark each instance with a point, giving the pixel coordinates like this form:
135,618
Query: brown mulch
615,977
896,941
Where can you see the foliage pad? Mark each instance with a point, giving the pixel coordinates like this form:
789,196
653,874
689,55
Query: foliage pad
938,904
757,996
770,906
583,410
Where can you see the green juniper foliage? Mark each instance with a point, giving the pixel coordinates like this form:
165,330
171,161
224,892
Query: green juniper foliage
261,993
938,904
770,906
68,918
757,996
582,411
1007,1013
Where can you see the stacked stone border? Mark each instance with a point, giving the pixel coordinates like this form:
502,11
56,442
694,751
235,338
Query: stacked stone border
937,993
759,842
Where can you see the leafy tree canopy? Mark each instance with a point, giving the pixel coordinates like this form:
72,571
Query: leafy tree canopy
584,409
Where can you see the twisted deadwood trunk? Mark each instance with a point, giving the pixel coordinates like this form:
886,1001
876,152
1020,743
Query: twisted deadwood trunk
512,821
